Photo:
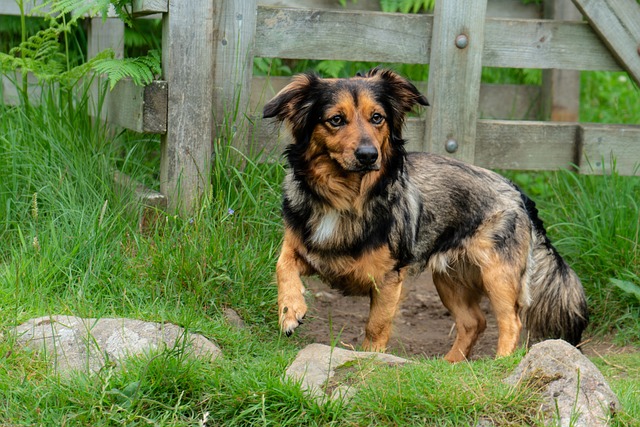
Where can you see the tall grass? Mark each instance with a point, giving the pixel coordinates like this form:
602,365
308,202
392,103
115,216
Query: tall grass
598,225
70,245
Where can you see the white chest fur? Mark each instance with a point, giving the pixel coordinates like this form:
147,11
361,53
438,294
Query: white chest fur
326,227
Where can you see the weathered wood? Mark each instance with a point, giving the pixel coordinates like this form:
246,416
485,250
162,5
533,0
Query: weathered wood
232,44
454,77
11,8
507,144
343,35
348,35
542,44
526,145
513,9
105,34
138,108
602,145
11,93
147,7
561,88
325,4
187,65
617,22
497,101
495,8
505,101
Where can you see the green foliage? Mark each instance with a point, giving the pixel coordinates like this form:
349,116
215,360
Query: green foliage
141,70
46,54
40,54
609,97
77,9
407,6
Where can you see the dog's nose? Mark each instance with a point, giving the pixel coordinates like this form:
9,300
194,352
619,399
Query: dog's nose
366,154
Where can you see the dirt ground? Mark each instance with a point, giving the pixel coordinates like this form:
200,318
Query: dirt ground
423,325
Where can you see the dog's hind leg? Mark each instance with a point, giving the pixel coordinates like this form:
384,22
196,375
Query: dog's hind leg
384,304
463,303
502,286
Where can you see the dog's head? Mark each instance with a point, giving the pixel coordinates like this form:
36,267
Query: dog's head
355,122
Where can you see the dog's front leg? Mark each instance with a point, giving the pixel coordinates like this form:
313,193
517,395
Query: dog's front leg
384,304
290,266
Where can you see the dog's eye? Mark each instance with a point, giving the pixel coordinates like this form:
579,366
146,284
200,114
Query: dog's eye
336,120
377,118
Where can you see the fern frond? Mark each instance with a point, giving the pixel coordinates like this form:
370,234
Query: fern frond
40,54
74,75
81,8
141,70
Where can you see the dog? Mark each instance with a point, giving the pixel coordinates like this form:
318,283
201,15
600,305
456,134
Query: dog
362,214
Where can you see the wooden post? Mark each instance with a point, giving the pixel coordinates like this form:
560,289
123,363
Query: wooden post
187,64
454,77
235,28
561,88
105,34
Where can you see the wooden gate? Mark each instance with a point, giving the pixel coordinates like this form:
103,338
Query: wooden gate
207,86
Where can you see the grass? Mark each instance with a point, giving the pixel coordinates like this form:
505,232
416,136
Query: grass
70,246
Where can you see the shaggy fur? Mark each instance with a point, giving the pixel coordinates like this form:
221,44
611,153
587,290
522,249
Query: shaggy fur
362,214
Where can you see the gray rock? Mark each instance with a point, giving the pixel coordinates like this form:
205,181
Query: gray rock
233,318
316,367
575,392
85,344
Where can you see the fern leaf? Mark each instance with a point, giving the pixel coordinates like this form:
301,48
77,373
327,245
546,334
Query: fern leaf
141,70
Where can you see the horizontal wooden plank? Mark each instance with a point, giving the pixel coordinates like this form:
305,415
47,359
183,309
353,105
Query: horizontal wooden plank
148,7
342,35
138,108
504,144
604,145
508,144
10,7
400,38
11,94
495,8
516,102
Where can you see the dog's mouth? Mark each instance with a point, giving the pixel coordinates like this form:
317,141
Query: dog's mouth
367,168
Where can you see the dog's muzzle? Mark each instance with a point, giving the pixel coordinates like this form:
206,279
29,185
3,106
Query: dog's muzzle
367,155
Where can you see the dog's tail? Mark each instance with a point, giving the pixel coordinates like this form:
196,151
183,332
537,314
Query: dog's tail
558,306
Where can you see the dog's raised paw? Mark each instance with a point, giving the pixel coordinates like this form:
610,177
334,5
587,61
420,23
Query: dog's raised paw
291,316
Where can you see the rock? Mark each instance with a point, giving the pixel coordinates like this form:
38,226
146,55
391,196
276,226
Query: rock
233,318
575,391
85,344
316,366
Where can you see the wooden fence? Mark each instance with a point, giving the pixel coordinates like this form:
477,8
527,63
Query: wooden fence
208,90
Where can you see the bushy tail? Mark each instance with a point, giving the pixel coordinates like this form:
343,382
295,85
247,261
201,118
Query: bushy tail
558,306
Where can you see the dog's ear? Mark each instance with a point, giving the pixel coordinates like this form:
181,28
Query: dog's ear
403,95
294,101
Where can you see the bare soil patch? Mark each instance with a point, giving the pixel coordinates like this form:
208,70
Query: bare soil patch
423,326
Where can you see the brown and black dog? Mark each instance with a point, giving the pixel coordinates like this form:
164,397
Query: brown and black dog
361,213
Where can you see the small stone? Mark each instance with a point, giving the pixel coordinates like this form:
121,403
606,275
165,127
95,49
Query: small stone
325,296
315,367
576,393
233,318
86,344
